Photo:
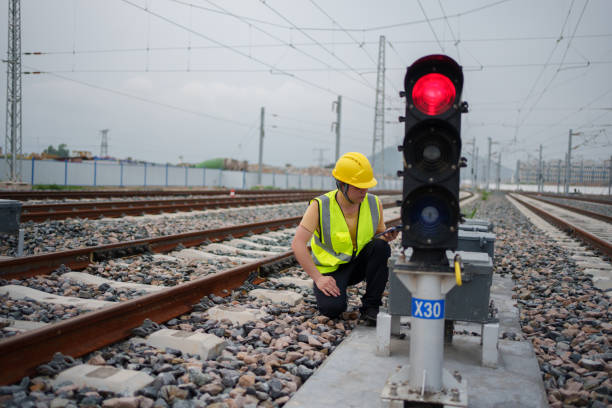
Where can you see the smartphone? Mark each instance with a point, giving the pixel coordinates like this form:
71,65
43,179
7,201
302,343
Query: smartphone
390,229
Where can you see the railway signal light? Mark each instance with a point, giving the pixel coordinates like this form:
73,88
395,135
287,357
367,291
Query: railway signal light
432,153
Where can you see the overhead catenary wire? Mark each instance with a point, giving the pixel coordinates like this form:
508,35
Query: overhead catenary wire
292,46
569,42
299,44
363,29
316,41
140,98
356,41
270,66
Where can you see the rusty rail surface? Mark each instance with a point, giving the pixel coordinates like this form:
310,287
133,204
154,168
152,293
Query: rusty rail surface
93,210
589,199
21,354
589,238
77,259
582,211
59,195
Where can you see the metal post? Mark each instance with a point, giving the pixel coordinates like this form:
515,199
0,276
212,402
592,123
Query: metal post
243,179
32,182
473,161
66,172
427,328
261,137
558,175
121,174
476,169
518,175
203,176
145,174
13,141
379,106
336,124
95,170
568,161
540,171
498,171
581,171
167,174
185,175
20,242
488,166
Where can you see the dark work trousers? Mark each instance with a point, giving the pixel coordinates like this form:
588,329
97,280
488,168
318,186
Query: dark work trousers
370,265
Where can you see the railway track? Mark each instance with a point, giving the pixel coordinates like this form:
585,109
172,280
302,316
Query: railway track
92,194
600,215
587,198
91,331
594,231
114,209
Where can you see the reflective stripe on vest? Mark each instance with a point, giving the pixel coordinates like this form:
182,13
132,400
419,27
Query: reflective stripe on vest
327,258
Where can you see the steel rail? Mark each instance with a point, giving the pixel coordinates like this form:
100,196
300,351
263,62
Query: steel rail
77,259
114,209
582,211
589,199
58,195
604,246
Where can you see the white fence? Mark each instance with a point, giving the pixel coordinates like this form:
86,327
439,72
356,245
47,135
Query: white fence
111,173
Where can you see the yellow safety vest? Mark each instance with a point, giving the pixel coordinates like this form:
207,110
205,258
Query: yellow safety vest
333,246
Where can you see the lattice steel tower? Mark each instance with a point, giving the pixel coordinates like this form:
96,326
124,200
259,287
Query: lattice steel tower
379,110
13,92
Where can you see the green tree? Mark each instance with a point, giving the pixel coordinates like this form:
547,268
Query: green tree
61,151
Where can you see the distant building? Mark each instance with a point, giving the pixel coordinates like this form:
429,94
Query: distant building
583,172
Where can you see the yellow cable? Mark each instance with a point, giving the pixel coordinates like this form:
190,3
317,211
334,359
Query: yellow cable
458,272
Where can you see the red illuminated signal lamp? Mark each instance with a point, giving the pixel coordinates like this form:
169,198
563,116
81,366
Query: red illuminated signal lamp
433,86
433,94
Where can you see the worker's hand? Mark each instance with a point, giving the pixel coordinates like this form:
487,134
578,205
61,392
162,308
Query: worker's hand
327,285
390,236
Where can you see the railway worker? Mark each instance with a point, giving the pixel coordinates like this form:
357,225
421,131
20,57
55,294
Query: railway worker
340,226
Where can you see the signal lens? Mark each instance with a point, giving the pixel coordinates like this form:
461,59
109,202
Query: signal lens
433,94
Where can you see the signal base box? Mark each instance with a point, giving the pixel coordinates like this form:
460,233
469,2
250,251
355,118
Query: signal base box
469,302
10,212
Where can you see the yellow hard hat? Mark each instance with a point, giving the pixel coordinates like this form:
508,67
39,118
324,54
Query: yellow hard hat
354,168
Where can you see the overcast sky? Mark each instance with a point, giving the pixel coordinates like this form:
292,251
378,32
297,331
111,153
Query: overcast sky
188,78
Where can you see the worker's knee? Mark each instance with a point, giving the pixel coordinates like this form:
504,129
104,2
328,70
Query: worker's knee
332,309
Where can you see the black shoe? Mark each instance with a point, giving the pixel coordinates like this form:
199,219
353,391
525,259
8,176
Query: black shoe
369,316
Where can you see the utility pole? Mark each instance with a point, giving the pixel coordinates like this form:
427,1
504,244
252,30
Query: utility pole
338,105
261,139
379,109
518,177
476,169
568,167
498,171
488,165
558,175
104,143
13,92
540,176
